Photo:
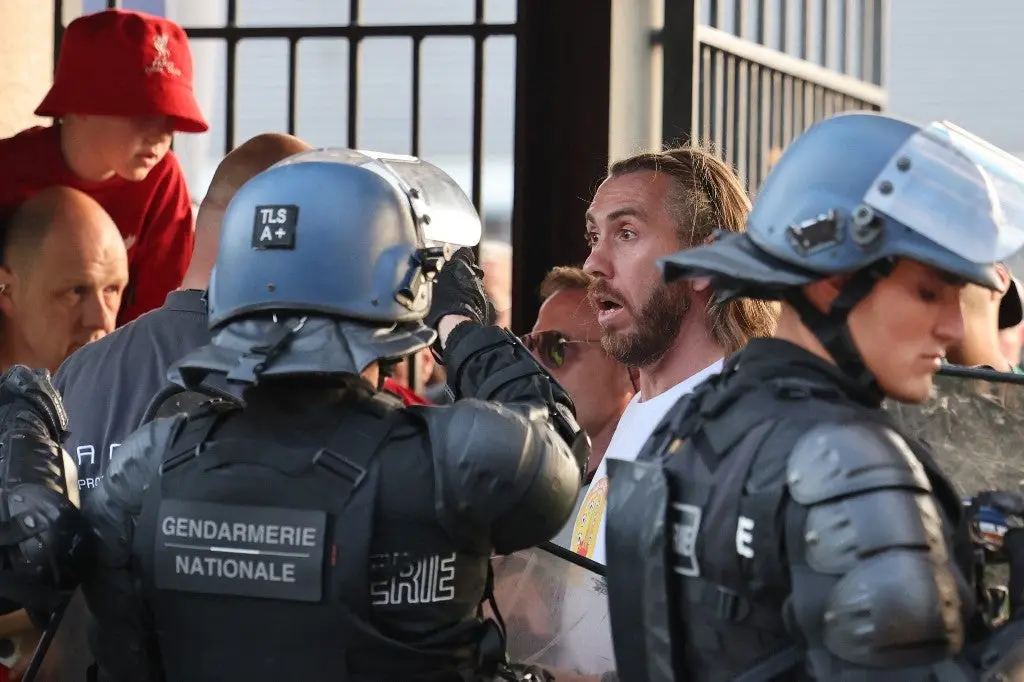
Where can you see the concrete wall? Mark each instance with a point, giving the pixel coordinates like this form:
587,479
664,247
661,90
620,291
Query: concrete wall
26,61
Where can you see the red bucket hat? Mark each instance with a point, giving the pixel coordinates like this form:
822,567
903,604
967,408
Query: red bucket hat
121,63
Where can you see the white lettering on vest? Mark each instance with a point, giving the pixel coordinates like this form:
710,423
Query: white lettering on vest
428,580
744,536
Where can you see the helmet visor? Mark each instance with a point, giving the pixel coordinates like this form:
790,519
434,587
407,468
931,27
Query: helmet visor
956,190
443,211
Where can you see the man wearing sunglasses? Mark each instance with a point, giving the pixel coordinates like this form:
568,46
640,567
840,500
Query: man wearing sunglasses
566,339
649,206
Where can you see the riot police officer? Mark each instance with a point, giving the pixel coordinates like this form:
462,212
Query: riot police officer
785,528
304,525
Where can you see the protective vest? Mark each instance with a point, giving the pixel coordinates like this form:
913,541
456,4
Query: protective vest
254,557
726,581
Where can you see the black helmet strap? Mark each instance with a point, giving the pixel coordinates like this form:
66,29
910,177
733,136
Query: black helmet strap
831,328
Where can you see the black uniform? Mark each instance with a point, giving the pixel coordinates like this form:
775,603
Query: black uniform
793,502
358,533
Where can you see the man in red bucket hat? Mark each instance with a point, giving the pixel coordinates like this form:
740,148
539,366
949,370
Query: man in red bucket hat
123,86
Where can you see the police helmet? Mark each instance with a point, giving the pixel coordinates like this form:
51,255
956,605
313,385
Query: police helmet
325,265
860,189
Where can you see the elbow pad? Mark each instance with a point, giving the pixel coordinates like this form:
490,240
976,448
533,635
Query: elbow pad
873,580
501,469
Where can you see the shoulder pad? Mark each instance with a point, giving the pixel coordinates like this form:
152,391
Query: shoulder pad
834,460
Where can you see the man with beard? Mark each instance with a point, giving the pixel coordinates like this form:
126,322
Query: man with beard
676,335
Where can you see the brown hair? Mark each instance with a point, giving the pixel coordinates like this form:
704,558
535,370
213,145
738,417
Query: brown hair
564,277
707,197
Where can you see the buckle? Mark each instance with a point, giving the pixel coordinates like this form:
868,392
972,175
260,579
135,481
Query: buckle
339,465
730,605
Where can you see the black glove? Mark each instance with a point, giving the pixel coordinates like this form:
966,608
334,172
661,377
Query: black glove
28,401
459,290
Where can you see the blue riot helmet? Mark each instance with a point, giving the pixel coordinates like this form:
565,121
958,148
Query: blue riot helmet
852,195
325,265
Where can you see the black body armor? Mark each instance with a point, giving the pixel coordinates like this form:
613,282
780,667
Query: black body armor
787,532
326,533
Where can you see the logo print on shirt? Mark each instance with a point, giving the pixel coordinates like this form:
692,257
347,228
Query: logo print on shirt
588,523
162,62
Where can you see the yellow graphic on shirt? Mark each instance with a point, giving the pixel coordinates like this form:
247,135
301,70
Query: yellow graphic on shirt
588,523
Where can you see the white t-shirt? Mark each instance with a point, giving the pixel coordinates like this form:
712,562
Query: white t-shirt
634,428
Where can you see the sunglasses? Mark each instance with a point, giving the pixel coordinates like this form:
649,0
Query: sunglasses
549,346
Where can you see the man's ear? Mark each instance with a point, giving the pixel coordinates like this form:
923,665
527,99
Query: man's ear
7,283
823,292
1004,279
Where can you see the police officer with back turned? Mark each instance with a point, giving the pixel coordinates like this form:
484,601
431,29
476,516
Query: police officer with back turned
785,528
304,525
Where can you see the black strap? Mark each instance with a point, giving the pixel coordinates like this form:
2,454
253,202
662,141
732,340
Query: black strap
831,328
495,382
189,440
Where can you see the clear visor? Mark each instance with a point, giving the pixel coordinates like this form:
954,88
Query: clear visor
445,213
957,190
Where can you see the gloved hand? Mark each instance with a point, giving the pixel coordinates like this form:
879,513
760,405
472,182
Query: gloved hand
459,290
28,401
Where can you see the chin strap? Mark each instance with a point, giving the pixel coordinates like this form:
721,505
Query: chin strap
831,328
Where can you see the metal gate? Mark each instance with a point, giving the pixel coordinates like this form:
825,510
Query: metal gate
749,76
725,79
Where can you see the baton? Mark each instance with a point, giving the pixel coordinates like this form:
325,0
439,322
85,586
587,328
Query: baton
981,374
45,641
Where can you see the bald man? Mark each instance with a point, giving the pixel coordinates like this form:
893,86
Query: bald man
64,270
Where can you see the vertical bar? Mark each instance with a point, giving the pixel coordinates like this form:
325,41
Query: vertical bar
764,21
727,150
353,78
756,108
842,36
787,110
776,102
853,29
417,48
230,76
58,30
867,49
823,33
798,107
681,60
478,109
764,126
783,25
808,29
718,126
742,116
706,92
293,44
880,38
740,14
714,16
561,139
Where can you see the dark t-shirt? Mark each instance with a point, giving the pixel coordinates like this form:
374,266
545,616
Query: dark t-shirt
108,384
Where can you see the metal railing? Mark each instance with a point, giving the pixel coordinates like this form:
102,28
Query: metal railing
752,79
354,33
752,101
